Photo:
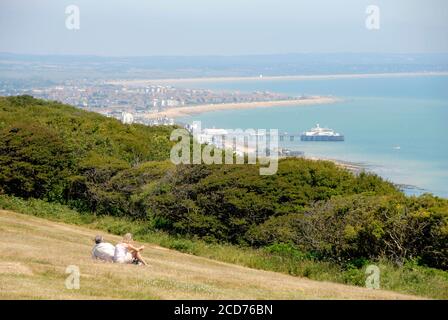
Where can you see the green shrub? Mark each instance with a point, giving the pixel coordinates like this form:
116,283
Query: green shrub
287,250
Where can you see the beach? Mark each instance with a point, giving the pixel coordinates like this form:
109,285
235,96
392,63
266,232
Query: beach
143,82
191,110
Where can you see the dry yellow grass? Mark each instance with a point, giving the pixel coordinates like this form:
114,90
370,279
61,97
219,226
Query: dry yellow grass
34,254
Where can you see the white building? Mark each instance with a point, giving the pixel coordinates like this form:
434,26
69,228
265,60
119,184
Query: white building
172,103
212,136
127,118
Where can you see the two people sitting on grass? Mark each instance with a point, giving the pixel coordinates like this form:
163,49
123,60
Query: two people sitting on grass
124,252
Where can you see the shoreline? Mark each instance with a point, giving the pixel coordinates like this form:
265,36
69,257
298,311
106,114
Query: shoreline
138,82
355,167
191,110
358,167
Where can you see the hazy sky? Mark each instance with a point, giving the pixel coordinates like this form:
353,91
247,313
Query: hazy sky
228,27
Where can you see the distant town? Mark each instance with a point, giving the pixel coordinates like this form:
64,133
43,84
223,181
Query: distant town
132,104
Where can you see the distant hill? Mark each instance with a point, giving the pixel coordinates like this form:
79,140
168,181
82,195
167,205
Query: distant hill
63,67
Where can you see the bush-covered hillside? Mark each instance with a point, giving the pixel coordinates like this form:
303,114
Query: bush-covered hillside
96,164
49,150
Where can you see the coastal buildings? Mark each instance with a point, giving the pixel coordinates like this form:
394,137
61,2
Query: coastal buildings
128,97
259,142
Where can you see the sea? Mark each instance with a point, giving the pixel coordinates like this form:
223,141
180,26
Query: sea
396,127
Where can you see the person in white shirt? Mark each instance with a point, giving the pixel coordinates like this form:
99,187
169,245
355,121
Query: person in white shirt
103,251
125,252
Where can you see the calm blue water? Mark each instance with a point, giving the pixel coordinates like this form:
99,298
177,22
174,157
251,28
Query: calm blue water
375,116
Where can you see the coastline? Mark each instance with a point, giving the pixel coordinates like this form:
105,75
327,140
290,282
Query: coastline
139,82
191,110
358,167
355,167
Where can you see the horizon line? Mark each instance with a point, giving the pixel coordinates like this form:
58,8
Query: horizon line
87,55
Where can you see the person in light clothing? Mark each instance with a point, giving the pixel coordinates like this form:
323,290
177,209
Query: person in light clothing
103,251
125,252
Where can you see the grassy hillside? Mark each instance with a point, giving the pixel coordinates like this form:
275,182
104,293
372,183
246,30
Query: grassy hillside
34,255
310,210
408,279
